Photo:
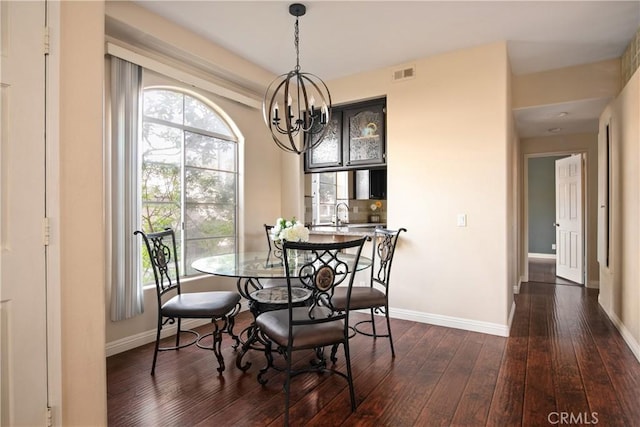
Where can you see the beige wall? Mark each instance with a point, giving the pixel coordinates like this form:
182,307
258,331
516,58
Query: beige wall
448,141
620,283
568,144
82,214
589,81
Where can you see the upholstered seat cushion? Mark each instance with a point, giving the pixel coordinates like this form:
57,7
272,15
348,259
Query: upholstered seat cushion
361,297
276,325
200,304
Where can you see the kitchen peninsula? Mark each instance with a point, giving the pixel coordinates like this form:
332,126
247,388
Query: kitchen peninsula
355,230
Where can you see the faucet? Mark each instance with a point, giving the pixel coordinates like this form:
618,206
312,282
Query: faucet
346,218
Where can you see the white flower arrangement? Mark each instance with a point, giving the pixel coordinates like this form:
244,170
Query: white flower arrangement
290,230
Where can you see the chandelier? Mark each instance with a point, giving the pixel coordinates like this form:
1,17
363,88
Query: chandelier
297,105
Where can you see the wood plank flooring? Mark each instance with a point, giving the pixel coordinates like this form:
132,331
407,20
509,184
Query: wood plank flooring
564,363
544,271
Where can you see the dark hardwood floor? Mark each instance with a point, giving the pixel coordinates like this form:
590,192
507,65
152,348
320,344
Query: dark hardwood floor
564,363
543,270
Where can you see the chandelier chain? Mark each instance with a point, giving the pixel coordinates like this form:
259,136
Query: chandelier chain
296,41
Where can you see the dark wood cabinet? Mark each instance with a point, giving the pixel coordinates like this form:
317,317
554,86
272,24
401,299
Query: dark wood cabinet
356,139
364,136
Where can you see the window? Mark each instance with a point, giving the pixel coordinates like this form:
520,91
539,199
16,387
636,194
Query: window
188,175
329,189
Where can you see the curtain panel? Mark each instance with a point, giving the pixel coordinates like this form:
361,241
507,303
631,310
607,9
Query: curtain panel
125,113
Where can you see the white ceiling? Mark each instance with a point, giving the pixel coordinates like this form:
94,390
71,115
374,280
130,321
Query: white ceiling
340,38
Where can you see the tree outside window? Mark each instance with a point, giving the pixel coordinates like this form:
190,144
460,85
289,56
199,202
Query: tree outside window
188,175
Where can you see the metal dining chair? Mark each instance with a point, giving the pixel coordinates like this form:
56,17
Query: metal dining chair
374,297
173,305
318,324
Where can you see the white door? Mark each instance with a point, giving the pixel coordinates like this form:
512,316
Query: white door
569,221
23,356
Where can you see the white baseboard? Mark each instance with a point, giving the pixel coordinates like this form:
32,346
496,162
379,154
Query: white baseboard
142,338
453,322
511,316
133,341
634,345
542,256
516,287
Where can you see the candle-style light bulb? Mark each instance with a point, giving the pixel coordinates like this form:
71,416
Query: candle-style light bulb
312,102
275,111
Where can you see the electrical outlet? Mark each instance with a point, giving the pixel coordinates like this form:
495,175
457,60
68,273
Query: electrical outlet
553,246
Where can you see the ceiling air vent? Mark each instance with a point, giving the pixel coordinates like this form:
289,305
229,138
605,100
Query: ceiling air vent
404,73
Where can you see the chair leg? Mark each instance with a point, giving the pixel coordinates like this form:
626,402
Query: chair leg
386,313
334,350
155,352
287,389
347,360
231,322
178,332
217,345
269,357
373,325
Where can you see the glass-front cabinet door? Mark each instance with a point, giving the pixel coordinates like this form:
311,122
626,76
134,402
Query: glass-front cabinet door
363,134
329,152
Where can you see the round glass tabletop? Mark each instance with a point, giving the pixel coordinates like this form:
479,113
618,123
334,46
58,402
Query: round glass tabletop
259,265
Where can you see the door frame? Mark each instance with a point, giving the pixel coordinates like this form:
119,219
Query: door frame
585,213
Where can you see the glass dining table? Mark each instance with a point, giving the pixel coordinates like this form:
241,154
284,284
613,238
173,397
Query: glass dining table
256,273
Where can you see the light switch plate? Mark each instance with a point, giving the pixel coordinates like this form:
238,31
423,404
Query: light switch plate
462,220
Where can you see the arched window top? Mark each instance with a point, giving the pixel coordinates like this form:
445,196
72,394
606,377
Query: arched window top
183,109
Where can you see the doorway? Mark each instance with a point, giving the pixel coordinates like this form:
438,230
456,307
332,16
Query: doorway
540,246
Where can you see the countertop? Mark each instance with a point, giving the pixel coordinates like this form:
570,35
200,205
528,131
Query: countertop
365,229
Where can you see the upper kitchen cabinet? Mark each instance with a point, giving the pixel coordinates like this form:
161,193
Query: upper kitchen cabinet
364,135
327,154
356,139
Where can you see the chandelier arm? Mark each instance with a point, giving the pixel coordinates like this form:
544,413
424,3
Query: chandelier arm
288,111
319,91
267,114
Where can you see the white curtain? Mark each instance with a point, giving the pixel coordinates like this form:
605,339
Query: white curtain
125,106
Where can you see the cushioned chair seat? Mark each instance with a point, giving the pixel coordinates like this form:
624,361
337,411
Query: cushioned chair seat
276,325
361,297
200,304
